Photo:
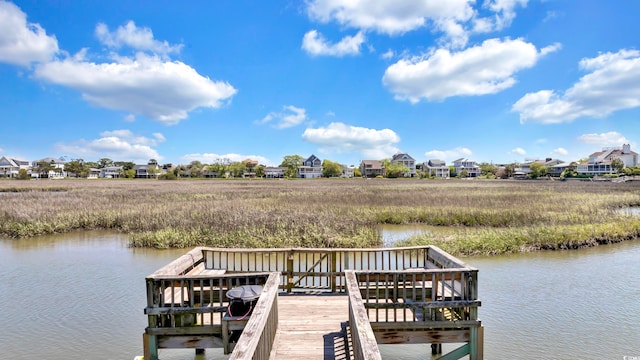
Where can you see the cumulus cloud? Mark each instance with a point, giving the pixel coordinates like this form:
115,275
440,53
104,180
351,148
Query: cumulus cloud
289,117
338,137
210,158
487,68
559,152
504,11
315,44
138,38
118,145
394,17
146,85
611,138
449,155
517,151
22,43
612,84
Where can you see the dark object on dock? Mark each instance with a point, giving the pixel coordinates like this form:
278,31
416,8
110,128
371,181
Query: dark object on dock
242,300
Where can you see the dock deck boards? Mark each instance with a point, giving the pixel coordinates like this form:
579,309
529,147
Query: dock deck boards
311,327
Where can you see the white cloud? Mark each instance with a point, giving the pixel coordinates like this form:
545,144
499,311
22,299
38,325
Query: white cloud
518,151
611,138
454,19
118,145
130,118
165,91
559,152
393,17
483,69
388,55
22,43
449,155
612,84
315,44
210,158
135,37
338,137
290,117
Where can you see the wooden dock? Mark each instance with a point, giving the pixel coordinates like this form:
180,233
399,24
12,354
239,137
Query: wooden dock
315,303
311,327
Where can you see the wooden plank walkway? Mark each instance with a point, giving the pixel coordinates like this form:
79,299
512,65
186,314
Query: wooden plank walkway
312,327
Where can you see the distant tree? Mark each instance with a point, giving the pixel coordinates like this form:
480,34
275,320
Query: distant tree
104,162
237,169
331,169
394,169
259,170
43,168
617,165
291,162
92,164
537,170
486,169
129,174
452,171
462,174
77,167
357,172
126,165
23,174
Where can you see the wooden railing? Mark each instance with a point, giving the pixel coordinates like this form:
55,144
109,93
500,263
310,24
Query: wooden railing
364,345
257,337
435,304
186,303
321,269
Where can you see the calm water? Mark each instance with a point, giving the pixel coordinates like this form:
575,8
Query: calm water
82,296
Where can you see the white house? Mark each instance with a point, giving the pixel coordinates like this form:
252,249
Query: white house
473,170
348,171
10,166
274,172
311,168
111,172
599,163
405,160
437,168
56,170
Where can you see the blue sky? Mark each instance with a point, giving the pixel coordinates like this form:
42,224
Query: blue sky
491,80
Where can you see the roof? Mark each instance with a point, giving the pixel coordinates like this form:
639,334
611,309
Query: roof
402,156
437,162
375,164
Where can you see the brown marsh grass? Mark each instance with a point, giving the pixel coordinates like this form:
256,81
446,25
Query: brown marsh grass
479,216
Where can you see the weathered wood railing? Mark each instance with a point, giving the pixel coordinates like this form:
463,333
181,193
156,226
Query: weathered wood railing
364,345
435,304
186,304
321,269
257,337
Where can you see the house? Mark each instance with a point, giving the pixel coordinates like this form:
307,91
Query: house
407,161
274,172
599,163
147,171
436,168
311,168
523,170
54,170
372,168
10,166
470,166
93,173
111,172
348,171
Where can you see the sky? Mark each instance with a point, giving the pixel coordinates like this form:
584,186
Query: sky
496,81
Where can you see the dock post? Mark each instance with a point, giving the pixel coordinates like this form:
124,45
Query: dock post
150,343
436,349
199,351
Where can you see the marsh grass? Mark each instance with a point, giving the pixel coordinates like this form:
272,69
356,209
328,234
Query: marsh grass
480,217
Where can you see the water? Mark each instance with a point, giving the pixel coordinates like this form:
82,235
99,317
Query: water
81,296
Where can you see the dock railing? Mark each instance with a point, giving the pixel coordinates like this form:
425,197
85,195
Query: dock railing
321,269
257,337
435,304
186,304
364,344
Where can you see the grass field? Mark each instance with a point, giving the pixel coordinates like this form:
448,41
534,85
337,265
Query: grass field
476,217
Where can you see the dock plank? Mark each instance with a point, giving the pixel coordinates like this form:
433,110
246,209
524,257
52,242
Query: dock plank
310,327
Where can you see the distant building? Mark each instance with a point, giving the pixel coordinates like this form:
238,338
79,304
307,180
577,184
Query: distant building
407,161
274,172
372,168
10,166
599,163
311,168
436,168
470,166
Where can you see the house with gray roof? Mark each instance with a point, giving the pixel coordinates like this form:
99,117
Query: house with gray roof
436,168
372,168
407,161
